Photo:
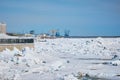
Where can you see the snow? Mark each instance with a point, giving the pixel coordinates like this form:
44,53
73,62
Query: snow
2,35
70,77
5,36
63,59
117,62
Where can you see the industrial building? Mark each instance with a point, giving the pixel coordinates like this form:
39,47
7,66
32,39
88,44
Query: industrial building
10,42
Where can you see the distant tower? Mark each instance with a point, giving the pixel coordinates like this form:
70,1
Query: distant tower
3,28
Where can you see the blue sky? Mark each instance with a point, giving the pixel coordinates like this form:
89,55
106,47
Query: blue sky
81,17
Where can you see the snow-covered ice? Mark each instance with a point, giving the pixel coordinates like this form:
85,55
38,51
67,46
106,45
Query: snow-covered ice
63,59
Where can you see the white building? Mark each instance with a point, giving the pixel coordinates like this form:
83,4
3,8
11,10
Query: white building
3,28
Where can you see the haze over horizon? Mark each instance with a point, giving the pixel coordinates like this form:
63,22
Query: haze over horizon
81,17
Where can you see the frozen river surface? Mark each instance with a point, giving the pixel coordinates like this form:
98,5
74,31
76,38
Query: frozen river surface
63,59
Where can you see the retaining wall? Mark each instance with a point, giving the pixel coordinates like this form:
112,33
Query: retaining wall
20,46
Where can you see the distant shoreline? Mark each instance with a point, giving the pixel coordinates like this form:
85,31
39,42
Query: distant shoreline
92,37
